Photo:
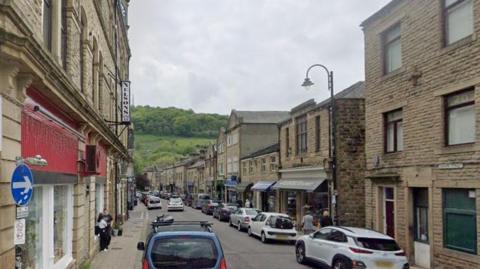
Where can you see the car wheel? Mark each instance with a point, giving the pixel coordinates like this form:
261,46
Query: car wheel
264,238
250,231
300,253
239,227
342,263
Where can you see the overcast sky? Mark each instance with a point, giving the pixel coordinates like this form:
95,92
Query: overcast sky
218,55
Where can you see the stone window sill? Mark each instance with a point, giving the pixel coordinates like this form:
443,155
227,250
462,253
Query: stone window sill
465,148
400,71
458,44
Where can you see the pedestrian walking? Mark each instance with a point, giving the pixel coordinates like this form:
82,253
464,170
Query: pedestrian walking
247,203
326,220
307,223
105,229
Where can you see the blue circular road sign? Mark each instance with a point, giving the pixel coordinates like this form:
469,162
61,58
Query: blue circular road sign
22,185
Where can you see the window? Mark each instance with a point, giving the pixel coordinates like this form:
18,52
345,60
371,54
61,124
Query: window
394,131
82,52
250,167
301,126
287,142
392,49
458,20
244,167
273,164
32,253
60,222
47,23
63,29
99,198
337,236
264,165
460,118
317,133
459,220
235,164
322,233
420,200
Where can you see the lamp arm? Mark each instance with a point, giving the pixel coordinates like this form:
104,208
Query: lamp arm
317,65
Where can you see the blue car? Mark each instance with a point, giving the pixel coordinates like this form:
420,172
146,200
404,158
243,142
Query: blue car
182,250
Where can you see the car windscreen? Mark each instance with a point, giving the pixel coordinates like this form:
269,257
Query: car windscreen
251,212
184,252
378,244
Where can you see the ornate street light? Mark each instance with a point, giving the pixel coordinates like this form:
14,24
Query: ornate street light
307,83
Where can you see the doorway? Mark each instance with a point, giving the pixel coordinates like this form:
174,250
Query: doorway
421,245
389,211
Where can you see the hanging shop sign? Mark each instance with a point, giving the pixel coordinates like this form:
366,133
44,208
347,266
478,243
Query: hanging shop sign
22,185
125,101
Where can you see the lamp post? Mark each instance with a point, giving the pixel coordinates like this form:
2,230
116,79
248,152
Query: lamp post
332,147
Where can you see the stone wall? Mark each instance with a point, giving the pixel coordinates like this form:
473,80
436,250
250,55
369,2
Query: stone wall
257,174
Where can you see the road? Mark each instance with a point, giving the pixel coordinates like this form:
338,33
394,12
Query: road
241,251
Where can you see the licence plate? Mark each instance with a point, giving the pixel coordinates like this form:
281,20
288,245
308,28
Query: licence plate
384,264
282,236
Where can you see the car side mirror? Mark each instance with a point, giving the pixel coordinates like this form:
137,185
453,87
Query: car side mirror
141,246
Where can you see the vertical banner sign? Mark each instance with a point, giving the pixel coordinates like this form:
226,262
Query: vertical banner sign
126,101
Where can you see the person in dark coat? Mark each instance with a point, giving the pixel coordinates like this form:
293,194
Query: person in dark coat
105,229
326,220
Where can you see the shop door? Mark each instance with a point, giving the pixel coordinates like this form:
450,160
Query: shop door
421,243
389,212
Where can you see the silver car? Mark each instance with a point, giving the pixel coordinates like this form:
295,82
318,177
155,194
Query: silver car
242,217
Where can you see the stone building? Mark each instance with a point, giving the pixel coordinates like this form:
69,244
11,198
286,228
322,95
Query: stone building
305,174
210,168
259,174
221,144
422,152
247,132
59,83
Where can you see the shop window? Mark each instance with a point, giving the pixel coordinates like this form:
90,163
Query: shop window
394,131
99,198
460,220
460,117
392,49
421,214
32,251
458,20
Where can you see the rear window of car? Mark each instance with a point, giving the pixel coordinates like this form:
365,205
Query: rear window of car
378,244
176,200
281,222
204,197
184,253
251,212
153,201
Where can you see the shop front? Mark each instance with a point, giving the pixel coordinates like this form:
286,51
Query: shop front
301,190
230,185
49,224
244,191
264,196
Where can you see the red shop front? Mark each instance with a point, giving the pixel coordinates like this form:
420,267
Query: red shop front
47,131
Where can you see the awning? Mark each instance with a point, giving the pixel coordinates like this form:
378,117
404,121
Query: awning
230,183
309,185
263,186
241,187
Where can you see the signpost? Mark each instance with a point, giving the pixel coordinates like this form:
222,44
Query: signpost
125,101
22,185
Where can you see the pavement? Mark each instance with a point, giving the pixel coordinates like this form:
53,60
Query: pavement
241,251
123,252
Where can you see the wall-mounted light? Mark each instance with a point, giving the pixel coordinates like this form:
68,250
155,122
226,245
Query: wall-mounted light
33,161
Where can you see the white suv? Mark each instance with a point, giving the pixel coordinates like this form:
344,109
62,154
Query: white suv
351,248
272,226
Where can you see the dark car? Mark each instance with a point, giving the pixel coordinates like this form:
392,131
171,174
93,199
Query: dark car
208,207
222,211
182,245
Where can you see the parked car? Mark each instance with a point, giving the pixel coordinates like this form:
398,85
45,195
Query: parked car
188,200
348,247
208,207
153,202
222,211
200,199
199,247
272,226
242,217
175,204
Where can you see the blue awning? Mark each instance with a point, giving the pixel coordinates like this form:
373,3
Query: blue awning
263,185
231,182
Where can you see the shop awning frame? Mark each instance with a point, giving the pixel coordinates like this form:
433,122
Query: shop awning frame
307,184
263,186
242,186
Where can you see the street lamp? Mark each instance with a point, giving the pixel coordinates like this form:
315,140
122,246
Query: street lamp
307,83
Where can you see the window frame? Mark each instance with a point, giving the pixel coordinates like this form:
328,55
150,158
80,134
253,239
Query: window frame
445,15
301,128
395,131
386,44
448,109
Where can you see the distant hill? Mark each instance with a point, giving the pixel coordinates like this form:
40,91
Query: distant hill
176,122
166,135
